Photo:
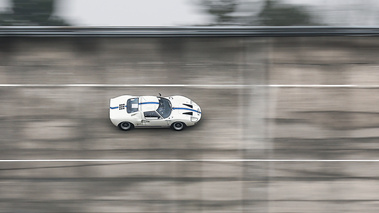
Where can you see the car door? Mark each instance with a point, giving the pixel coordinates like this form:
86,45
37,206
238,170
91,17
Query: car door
153,119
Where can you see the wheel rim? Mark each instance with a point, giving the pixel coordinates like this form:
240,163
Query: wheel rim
178,126
125,125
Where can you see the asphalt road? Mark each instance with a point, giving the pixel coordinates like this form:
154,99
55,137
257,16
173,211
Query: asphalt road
49,110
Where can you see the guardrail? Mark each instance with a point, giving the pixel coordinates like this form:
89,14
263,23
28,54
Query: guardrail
186,31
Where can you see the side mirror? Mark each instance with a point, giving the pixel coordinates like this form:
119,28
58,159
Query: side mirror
160,95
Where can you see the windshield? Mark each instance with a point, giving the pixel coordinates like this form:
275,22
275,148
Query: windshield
132,105
164,108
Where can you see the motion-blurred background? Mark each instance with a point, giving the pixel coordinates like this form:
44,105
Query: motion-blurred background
189,13
275,98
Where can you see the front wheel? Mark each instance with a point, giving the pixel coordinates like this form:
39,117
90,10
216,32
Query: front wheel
125,126
178,126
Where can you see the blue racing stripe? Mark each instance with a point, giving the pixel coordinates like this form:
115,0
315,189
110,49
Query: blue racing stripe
186,109
114,107
148,103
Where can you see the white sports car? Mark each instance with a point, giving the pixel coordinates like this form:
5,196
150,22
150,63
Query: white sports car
177,112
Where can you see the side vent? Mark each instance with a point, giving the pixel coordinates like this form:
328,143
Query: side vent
189,105
187,113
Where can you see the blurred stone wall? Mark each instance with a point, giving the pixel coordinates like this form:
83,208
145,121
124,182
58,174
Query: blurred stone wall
247,114
337,123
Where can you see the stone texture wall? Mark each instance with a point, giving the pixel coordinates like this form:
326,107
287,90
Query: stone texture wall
246,115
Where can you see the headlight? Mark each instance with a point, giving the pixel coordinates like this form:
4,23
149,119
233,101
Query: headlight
194,119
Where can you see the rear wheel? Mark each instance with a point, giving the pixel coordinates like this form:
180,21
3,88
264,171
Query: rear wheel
178,126
125,126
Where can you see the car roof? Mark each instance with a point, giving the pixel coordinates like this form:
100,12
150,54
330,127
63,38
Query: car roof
148,103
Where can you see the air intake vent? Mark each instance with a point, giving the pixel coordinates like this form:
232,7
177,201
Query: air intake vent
189,105
187,113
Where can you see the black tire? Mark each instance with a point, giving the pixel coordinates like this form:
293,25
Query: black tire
125,126
178,126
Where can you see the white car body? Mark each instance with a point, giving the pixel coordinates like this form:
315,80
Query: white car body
153,111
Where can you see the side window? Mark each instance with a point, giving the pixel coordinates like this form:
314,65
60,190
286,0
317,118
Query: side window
151,115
